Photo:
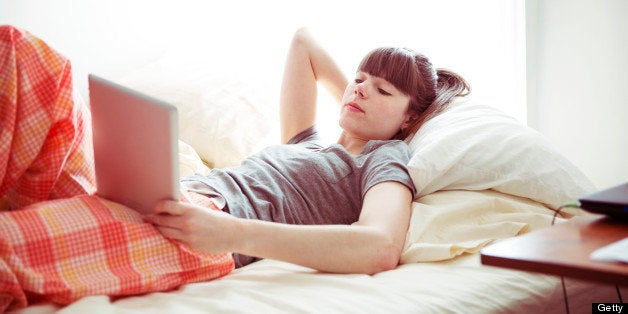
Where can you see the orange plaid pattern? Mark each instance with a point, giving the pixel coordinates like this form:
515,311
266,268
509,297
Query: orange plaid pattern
45,136
59,242
63,250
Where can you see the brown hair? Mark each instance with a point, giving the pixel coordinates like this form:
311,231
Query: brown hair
430,90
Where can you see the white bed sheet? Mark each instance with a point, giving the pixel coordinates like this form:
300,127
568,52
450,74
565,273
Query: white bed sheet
441,273
458,286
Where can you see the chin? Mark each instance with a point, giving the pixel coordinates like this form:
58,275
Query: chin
348,127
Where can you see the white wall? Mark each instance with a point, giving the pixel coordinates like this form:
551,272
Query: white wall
577,74
479,39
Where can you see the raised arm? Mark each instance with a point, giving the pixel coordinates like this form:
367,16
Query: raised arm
307,64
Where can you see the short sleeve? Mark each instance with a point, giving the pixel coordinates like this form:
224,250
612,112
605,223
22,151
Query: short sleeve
388,163
309,137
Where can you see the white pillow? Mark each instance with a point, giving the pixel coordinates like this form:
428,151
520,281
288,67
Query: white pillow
474,147
225,116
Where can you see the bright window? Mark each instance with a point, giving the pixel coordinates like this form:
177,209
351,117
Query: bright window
483,40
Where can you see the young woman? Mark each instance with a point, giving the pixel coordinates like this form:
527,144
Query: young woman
344,208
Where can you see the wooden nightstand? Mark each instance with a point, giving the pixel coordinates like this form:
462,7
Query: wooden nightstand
564,249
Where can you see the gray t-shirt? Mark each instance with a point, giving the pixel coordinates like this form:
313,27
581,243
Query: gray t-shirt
305,183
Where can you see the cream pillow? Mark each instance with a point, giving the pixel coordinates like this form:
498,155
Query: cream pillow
475,147
223,116
189,161
446,224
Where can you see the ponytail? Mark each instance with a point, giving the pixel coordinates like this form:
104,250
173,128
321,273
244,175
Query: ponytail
449,85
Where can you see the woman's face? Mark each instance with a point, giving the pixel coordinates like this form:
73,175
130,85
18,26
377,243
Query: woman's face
373,109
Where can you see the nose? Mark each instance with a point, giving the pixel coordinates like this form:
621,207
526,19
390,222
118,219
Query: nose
360,90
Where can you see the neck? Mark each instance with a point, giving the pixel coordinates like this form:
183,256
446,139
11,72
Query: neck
353,145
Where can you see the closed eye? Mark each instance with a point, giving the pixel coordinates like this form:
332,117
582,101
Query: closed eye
383,92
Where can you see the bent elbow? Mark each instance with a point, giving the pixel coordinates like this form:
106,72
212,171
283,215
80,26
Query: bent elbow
385,259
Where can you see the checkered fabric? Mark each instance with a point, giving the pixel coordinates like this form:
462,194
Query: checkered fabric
65,249
59,242
45,146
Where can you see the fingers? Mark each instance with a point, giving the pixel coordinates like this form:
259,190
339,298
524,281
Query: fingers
197,227
168,225
163,220
171,233
169,207
166,214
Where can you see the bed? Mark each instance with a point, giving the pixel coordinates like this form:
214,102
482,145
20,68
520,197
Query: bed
481,176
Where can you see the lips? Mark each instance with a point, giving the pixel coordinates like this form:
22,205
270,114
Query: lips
354,107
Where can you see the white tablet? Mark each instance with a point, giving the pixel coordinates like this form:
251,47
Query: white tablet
135,145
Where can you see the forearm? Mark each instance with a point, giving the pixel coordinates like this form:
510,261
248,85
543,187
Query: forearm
321,64
371,245
325,69
307,65
330,248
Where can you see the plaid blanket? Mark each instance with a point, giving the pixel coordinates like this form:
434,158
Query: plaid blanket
59,242
63,250
45,137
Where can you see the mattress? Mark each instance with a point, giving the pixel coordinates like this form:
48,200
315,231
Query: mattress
461,285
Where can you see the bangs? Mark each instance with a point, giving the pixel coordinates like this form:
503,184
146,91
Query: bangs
395,65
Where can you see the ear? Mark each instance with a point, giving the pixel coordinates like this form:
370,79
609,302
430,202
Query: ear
410,120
